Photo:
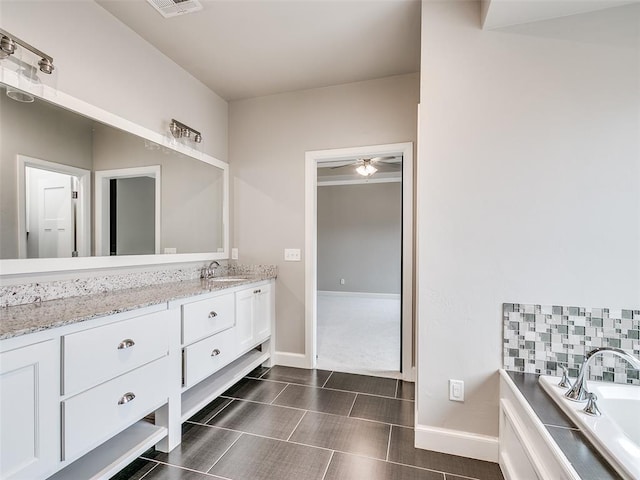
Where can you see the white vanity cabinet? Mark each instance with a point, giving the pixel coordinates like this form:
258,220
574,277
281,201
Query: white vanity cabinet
29,384
253,315
75,399
113,375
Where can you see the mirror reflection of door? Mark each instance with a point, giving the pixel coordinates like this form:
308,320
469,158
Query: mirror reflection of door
50,213
127,211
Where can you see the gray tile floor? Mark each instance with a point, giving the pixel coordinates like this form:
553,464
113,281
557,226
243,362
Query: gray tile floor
292,424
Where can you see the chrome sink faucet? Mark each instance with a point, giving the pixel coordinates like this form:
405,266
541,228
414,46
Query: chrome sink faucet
579,392
209,271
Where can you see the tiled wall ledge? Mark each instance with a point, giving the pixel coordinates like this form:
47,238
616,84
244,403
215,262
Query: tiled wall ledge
537,338
40,292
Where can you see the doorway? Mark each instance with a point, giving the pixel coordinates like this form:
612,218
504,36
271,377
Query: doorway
127,211
357,307
53,209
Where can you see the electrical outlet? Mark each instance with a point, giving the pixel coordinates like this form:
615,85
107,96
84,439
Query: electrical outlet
456,390
292,254
170,250
234,254
342,282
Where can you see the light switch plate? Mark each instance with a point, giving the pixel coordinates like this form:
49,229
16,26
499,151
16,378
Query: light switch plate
234,254
456,390
292,254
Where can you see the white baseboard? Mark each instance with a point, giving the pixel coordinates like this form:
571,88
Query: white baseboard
286,359
455,442
330,293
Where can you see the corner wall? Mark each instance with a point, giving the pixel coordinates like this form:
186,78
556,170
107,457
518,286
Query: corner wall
528,171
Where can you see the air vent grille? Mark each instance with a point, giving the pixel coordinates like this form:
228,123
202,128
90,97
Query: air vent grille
173,8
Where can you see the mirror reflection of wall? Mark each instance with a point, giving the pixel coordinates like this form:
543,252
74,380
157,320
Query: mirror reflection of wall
192,197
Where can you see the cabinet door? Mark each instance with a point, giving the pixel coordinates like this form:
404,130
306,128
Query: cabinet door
262,313
244,319
29,437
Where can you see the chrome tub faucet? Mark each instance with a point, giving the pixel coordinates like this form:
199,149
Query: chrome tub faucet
578,392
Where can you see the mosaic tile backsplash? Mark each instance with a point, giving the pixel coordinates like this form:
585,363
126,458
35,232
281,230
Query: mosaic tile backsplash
538,338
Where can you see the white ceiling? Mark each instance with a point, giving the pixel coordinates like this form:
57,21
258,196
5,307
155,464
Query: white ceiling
504,13
247,48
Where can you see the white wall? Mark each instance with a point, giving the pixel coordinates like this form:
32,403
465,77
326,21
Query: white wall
528,170
103,62
360,237
267,143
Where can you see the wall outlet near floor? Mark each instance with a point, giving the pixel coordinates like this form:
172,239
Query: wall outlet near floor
456,390
291,254
170,250
234,254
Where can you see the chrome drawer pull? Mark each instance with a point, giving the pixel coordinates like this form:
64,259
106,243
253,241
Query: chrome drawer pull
257,291
212,314
215,353
126,343
126,398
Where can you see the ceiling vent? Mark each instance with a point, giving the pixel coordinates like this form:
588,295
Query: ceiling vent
173,8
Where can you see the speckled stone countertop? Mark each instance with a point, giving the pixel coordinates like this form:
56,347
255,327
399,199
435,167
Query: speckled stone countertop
34,317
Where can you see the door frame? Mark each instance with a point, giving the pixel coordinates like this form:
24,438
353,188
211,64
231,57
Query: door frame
83,226
102,178
312,159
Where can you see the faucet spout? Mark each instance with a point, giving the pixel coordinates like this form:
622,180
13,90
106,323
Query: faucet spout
579,392
210,270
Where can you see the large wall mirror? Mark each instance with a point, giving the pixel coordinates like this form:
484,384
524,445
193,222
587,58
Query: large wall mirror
80,184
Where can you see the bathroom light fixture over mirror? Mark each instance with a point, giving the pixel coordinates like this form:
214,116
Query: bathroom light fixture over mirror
180,130
26,62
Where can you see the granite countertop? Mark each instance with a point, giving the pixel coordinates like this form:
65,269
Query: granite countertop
584,457
34,317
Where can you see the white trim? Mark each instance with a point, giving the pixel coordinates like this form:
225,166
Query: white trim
45,265
83,228
312,159
330,293
101,177
357,181
456,442
286,359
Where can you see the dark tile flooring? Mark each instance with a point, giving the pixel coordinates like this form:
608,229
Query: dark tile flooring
285,423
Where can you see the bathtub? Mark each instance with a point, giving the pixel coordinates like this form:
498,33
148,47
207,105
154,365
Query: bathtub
616,434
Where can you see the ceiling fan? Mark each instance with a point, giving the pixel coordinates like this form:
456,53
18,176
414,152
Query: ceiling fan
366,166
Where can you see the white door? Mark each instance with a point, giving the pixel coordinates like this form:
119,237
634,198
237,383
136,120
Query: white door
55,225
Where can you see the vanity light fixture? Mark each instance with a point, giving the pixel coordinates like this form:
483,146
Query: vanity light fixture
8,45
180,130
366,169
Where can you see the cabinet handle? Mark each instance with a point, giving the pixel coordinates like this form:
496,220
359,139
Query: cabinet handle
215,353
257,291
126,343
212,314
126,398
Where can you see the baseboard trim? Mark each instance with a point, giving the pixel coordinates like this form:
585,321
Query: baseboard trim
455,442
330,293
287,359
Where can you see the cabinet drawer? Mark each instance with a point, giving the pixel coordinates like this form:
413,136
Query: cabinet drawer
93,416
99,354
206,317
208,356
